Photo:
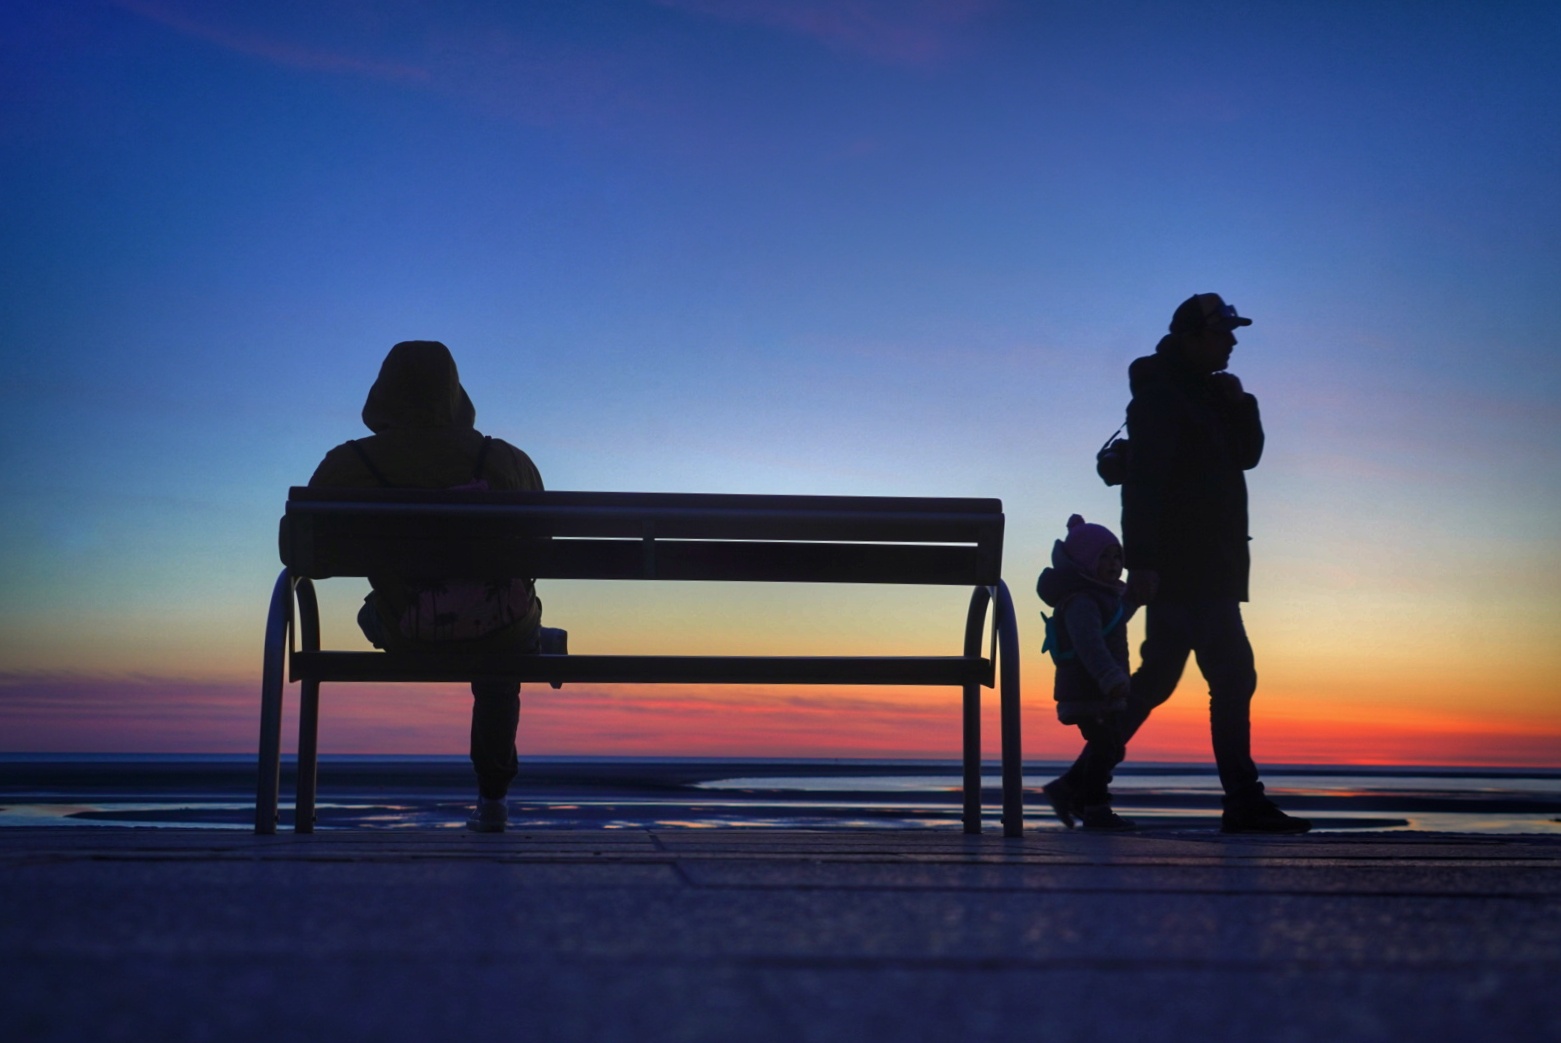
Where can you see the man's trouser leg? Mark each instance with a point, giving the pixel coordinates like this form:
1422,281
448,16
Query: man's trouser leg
1225,658
1168,640
495,716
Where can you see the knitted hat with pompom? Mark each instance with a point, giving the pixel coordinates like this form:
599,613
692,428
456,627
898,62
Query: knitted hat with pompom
1086,542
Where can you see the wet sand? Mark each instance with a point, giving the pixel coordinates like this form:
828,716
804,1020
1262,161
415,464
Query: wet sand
128,934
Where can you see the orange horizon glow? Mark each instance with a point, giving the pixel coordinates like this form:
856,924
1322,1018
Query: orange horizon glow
148,715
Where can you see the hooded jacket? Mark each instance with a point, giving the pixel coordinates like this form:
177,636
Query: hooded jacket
1099,661
1184,500
423,438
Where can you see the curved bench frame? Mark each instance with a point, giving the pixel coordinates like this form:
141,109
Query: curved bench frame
308,546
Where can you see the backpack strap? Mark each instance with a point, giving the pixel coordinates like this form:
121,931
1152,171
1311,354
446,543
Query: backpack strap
482,458
364,456
1109,627
1053,621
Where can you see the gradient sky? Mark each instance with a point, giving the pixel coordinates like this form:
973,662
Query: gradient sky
895,247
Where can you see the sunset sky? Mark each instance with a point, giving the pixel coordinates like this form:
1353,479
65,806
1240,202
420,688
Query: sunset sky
897,247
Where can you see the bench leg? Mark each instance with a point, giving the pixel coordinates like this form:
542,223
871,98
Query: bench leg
272,679
975,625
1007,628
308,746
308,712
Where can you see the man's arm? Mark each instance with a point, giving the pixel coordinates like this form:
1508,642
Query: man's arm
341,469
1153,436
1242,420
511,468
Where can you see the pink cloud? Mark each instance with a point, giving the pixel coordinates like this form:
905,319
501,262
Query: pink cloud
63,714
911,32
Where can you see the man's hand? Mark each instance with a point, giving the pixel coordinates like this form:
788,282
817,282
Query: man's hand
1229,386
1119,693
1142,584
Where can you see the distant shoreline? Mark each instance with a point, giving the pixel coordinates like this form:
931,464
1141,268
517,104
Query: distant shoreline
432,791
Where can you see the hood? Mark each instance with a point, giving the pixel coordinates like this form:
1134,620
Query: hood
1166,364
418,386
1151,368
1065,579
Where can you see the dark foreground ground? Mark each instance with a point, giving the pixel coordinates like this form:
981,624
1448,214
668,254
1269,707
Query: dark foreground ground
763,935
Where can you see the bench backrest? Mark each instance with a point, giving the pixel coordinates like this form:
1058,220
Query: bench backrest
682,536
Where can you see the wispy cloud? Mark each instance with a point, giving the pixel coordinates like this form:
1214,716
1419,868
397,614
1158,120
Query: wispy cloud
271,48
487,58
911,32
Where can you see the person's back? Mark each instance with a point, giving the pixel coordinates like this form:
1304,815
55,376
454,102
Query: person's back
424,438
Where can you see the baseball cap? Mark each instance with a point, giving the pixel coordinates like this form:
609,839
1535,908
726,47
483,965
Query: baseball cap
1206,309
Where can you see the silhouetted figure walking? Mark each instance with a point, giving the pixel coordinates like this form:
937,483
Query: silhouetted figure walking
1193,432
1087,639
424,438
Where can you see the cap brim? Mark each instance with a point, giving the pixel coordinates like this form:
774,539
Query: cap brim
1238,321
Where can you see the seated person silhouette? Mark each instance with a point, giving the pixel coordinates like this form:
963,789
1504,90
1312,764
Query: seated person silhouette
424,438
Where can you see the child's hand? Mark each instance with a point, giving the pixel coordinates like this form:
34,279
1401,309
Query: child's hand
1119,693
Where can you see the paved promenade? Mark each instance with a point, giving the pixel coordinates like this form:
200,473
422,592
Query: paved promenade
753,936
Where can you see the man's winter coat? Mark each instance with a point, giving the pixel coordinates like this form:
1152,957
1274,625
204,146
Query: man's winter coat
1184,501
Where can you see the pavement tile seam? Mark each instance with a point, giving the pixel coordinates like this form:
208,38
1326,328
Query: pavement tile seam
1253,966
1264,892
515,855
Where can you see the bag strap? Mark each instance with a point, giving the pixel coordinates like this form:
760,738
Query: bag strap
379,476
482,458
364,456
1113,437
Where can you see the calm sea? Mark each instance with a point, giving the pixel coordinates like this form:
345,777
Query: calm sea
217,792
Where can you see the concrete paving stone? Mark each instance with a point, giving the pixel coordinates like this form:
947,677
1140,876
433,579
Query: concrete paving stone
370,997
776,935
1373,878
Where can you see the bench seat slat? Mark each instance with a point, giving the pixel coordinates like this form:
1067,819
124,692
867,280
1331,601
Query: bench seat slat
480,518
638,669
618,501
726,560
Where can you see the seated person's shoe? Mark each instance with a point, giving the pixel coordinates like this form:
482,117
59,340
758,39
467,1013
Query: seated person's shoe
489,816
1059,793
553,641
1100,817
1262,817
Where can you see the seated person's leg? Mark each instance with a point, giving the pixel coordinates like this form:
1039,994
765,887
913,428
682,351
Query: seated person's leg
495,717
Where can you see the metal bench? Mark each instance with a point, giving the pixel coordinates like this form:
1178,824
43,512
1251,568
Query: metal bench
637,536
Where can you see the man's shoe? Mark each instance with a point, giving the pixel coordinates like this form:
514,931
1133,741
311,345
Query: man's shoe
1262,818
1059,793
1100,817
489,816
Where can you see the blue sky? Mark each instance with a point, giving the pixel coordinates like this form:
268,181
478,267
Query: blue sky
860,247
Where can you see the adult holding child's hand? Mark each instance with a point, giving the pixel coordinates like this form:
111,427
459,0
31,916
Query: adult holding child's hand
1194,431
